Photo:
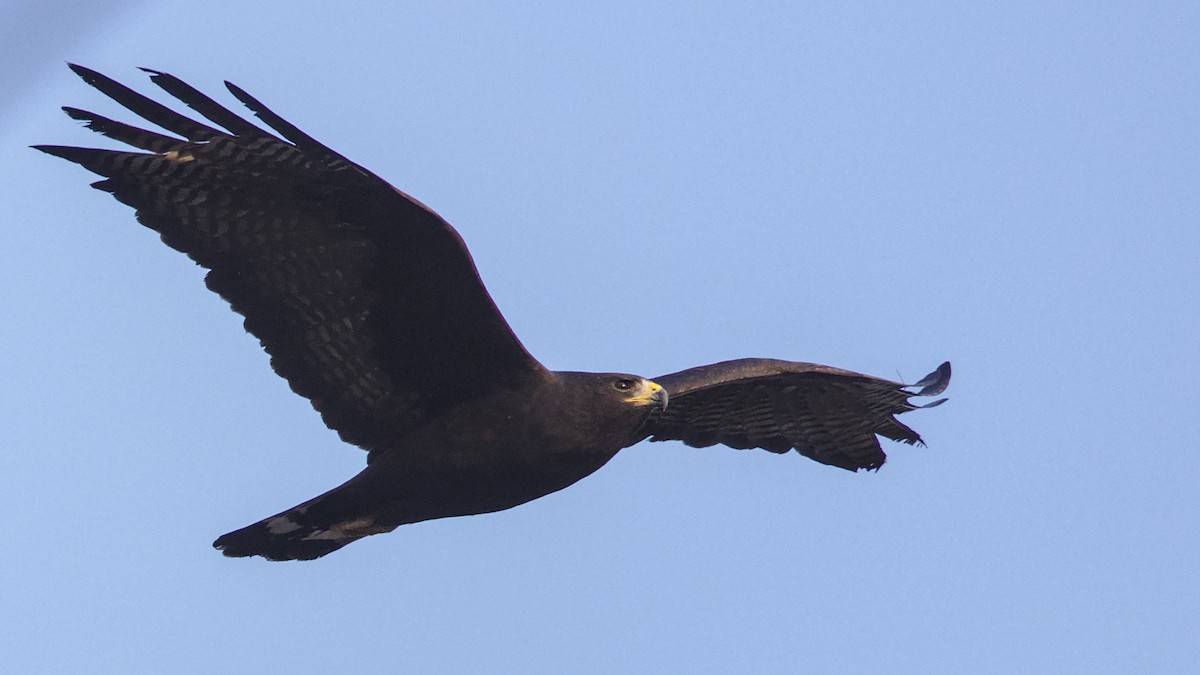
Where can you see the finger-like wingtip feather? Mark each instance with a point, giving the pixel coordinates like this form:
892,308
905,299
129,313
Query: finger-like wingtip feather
81,71
149,109
934,383
140,138
281,126
203,104
63,151
268,116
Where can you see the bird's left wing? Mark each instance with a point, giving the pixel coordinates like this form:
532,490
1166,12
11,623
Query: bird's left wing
828,414
367,301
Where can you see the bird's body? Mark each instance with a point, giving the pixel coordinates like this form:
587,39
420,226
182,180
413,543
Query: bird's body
370,306
478,457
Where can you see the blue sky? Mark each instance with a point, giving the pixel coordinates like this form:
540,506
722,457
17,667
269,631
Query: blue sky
644,188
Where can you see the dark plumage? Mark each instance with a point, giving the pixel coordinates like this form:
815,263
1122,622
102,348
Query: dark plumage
370,306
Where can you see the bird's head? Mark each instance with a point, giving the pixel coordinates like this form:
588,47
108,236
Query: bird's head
618,393
640,391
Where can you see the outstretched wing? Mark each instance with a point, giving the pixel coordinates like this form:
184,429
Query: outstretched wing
828,414
367,301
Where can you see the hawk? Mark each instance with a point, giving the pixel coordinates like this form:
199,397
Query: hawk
370,306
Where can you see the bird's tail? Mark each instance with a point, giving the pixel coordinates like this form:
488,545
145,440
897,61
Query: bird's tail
308,531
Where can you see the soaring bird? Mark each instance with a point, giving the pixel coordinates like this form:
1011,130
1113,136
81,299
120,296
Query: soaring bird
370,306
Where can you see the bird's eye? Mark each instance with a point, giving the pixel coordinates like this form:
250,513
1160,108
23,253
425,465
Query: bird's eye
623,385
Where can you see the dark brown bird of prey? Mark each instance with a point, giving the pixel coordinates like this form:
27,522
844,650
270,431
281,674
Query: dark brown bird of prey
370,306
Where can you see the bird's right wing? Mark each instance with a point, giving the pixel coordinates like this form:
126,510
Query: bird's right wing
367,301
827,414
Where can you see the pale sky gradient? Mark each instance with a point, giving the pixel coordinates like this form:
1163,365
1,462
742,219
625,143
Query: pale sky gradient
876,186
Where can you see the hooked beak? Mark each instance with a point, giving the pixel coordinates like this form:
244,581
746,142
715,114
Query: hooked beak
652,394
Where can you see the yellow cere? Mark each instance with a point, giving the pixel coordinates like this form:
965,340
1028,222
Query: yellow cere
649,389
